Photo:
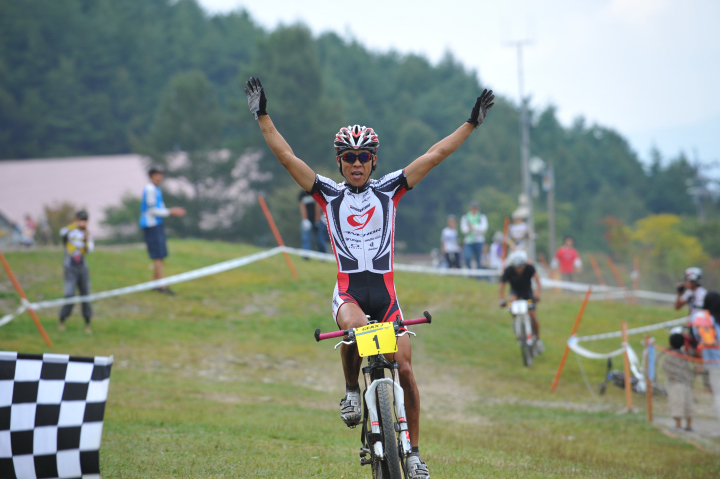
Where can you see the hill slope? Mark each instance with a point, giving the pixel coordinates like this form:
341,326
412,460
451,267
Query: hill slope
225,379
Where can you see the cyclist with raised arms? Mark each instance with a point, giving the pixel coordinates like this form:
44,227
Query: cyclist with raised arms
361,222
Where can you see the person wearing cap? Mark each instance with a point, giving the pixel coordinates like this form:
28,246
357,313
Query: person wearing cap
473,225
152,212
518,231
689,290
77,243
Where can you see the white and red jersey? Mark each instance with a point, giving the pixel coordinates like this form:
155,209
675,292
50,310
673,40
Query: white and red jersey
361,224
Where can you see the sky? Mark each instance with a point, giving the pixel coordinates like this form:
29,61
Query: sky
649,69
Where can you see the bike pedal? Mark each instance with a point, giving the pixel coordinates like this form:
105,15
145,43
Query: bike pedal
364,452
365,461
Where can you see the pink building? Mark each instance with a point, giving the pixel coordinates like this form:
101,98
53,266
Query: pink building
91,182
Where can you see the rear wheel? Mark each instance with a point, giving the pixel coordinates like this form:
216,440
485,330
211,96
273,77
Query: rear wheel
390,465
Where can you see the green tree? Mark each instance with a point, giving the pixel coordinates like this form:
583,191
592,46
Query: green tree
185,139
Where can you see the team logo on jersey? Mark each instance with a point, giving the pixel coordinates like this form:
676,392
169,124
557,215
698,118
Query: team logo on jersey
359,221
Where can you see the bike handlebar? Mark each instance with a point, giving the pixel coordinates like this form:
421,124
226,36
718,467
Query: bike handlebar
401,323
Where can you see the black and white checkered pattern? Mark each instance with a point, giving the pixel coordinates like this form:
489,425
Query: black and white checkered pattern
51,415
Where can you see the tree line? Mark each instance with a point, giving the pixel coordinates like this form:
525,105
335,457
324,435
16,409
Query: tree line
92,77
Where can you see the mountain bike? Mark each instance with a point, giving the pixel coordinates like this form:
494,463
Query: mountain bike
385,438
520,310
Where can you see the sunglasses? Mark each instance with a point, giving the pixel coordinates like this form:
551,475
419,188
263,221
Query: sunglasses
364,157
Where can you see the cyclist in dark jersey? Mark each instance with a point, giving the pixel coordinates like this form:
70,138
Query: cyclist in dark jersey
361,223
520,275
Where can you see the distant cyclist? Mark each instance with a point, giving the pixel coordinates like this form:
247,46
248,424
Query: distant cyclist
361,222
689,290
520,275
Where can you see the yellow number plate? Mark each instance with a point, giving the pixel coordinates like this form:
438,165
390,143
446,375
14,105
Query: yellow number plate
378,338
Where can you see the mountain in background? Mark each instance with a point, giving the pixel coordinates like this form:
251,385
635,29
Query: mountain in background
86,77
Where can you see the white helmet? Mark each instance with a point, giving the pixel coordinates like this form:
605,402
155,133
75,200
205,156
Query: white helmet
693,274
518,258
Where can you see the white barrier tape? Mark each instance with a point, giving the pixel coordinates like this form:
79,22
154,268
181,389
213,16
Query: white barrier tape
409,268
158,283
642,329
239,262
586,353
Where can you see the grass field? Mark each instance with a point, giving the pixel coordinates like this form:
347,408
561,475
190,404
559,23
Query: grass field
226,380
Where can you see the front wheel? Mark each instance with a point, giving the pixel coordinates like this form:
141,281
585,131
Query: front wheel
525,348
390,465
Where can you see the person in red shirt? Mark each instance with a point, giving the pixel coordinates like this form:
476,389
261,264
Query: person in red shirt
568,259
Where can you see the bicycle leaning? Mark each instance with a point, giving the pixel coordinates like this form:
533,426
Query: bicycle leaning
385,439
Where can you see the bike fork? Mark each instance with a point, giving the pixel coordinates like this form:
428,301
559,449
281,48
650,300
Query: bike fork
371,402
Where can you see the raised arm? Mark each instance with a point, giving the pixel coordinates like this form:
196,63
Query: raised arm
298,169
417,170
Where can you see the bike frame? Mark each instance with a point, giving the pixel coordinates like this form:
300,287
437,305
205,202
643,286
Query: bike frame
372,382
520,311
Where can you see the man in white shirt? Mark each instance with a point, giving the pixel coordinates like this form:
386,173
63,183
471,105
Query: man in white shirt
473,225
449,243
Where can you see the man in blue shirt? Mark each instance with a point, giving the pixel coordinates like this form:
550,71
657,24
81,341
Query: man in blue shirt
152,212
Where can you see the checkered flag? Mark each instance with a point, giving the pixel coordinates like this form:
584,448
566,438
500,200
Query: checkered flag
51,415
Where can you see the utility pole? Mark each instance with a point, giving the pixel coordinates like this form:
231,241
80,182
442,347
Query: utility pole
525,145
549,187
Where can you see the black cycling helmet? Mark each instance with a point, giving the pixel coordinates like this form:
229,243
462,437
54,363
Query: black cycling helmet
81,215
677,340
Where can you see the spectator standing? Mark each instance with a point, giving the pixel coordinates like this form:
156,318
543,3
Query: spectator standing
311,224
152,212
28,231
690,291
679,376
449,243
567,259
473,225
495,260
706,329
518,231
77,243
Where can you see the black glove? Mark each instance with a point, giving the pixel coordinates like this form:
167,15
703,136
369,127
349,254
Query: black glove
256,97
482,105
680,288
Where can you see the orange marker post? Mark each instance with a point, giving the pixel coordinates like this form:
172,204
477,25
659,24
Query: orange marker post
648,383
567,348
21,293
598,273
506,226
618,278
626,361
278,238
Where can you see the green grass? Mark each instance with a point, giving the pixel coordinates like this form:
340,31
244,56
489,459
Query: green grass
226,380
